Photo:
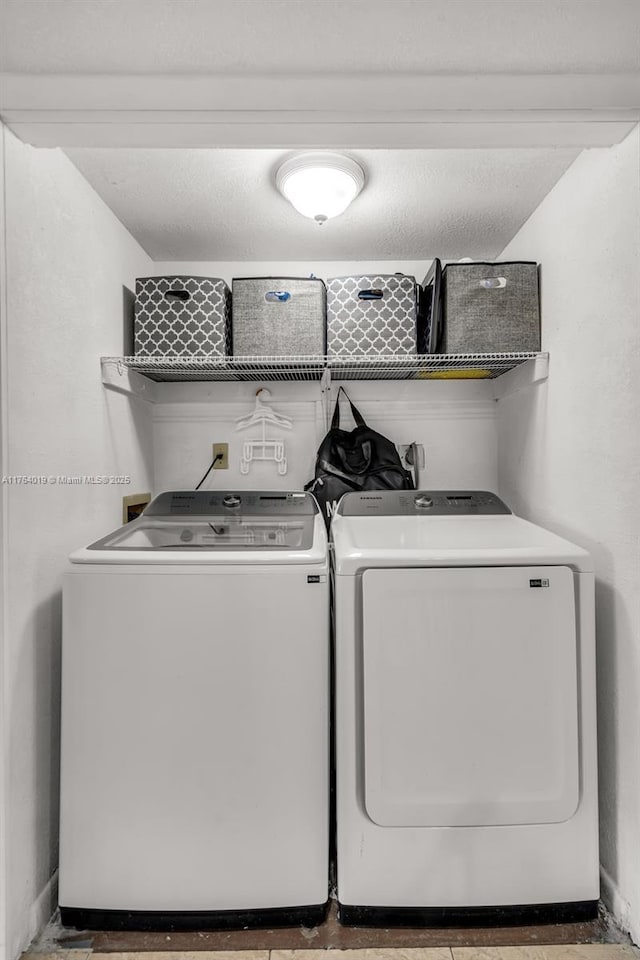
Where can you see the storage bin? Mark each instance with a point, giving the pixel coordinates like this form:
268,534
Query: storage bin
184,316
278,316
490,307
372,315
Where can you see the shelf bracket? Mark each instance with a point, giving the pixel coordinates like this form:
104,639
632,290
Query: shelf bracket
116,376
325,395
526,374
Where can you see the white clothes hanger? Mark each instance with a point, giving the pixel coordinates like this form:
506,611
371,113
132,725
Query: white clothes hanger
263,414
263,449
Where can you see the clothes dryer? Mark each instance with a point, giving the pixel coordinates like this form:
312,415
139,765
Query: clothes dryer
465,713
195,692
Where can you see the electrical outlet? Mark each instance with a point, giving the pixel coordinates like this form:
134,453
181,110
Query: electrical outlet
133,505
404,447
223,463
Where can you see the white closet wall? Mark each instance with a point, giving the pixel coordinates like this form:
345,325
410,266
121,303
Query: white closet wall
456,426
67,261
569,453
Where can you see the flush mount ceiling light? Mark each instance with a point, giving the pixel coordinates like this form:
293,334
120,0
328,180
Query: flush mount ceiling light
320,185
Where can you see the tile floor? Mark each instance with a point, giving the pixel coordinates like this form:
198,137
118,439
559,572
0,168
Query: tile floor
293,942
599,939
587,951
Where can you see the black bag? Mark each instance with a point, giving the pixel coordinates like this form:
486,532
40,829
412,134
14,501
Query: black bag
358,460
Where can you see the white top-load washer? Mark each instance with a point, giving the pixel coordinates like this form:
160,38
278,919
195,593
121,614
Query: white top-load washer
195,703
465,713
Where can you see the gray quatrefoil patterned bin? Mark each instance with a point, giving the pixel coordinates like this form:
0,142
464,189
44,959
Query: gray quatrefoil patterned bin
182,316
369,316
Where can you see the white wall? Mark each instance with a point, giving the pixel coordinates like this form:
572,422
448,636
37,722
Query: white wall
456,425
569,454
3,569
67,261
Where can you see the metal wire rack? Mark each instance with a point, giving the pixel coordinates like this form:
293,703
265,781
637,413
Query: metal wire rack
419,367
451,366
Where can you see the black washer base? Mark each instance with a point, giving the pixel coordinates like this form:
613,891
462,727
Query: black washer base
510,916
174,921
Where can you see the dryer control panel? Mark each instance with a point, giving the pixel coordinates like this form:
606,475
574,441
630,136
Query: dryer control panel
431,503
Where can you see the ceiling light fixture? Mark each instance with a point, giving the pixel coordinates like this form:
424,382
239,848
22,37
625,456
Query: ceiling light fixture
320,185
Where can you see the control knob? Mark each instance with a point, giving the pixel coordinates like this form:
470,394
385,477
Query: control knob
232,500
423,502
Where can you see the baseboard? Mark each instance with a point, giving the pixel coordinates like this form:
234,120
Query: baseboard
618,906
43,908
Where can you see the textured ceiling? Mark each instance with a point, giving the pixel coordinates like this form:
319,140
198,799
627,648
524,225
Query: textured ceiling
223,205
256,36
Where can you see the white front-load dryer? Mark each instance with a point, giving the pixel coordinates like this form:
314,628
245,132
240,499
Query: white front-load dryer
195,714
465,714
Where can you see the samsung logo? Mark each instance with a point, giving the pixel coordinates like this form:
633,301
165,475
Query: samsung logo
539,583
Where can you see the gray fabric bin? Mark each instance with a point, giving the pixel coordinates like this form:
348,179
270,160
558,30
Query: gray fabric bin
370,316
490,307
278,317
183,316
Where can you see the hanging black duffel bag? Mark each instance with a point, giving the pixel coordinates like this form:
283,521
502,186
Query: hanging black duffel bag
359,459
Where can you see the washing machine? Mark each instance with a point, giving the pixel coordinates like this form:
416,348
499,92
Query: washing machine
465,714
195,702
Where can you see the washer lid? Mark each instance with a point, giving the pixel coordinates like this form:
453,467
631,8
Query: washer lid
217,533
217,527
447,541
219,520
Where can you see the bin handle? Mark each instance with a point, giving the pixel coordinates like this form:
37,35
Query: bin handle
182,295
370,294
277,296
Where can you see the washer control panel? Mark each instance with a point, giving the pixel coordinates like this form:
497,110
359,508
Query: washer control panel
204,503
421,503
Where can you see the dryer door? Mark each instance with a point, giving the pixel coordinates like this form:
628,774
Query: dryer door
470,696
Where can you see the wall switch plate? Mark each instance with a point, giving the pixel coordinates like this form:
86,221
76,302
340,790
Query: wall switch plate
223,463
404,447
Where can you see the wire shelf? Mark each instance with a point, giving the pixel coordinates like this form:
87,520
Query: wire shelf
443,366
